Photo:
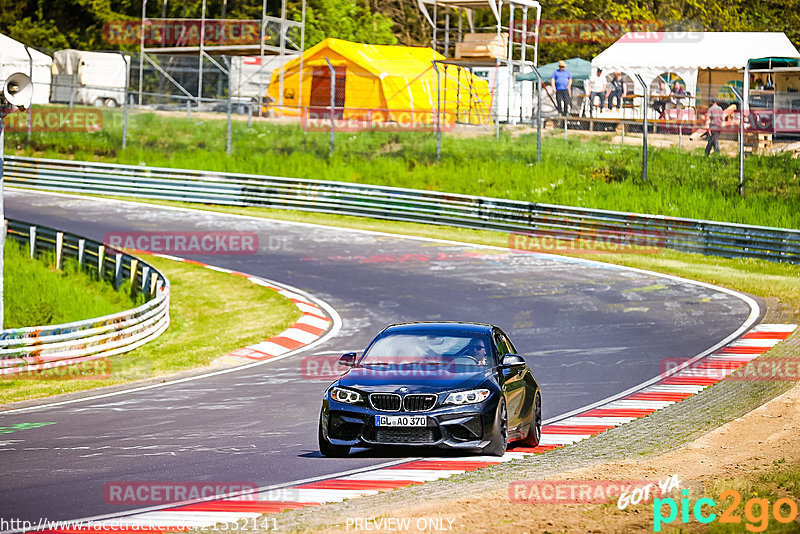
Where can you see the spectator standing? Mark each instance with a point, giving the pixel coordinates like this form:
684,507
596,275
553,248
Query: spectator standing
561,83
597,88
616,90
714,121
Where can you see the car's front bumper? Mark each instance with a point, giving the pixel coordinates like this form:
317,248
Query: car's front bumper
458,427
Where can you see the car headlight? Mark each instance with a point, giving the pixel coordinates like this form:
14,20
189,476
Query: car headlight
346,395
472,396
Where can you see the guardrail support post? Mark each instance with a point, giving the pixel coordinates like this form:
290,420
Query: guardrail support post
118,271
101,259
81,251
134,266
32,241
59,248
145,275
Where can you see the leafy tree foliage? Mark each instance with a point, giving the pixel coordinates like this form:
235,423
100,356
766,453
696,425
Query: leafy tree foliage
348,20
79,23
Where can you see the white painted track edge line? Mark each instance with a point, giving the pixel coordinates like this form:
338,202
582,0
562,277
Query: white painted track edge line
261,489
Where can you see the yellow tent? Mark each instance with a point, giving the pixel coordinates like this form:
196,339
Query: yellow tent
379,83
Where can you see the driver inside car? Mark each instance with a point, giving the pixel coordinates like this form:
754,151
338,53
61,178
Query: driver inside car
477,350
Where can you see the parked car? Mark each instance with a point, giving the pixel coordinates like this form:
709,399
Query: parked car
450,385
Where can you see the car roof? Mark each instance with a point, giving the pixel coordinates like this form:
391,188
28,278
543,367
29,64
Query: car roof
442,326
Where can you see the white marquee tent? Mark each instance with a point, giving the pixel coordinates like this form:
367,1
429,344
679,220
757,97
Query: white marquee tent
14,58
650,54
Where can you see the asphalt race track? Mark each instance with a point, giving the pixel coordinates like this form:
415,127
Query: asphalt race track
588,331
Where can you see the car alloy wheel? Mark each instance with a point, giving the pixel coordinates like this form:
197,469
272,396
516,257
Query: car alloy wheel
499,443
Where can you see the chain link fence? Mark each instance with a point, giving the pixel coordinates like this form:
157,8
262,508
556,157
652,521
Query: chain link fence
335,104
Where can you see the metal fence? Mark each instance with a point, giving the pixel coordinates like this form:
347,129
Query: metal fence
690,235
39,348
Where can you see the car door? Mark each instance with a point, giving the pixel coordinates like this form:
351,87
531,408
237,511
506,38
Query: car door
513,386
528,385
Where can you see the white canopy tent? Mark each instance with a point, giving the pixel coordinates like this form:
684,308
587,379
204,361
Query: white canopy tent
14,58
650,54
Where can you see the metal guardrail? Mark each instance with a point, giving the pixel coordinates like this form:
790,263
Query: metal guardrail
39,348
396,204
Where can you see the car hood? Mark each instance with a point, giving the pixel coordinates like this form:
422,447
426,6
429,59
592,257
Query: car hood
373,380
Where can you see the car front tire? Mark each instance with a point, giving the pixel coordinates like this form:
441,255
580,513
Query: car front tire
499,443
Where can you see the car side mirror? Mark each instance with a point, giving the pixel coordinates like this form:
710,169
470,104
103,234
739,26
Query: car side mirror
513,360
348,359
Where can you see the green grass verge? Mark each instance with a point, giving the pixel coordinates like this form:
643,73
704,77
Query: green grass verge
778,481
211,313
36,294
578,172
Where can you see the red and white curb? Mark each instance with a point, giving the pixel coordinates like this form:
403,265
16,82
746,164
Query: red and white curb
310,327
671,389
666,391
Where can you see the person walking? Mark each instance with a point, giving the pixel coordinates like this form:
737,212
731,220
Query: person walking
561,84
714,121
597,88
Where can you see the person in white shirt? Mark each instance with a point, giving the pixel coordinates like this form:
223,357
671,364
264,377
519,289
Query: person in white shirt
597,88
662,97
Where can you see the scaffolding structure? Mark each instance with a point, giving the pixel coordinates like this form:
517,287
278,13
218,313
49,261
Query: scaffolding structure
508,95
287,35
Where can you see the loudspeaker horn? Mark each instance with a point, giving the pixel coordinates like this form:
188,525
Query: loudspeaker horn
18,90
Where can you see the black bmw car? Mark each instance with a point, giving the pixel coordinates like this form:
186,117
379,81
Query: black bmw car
451,385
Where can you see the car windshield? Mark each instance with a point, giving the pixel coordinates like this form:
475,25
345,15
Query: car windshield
434,349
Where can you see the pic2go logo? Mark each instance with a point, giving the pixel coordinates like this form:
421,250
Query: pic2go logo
756,511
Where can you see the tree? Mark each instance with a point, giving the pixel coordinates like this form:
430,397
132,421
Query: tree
345,19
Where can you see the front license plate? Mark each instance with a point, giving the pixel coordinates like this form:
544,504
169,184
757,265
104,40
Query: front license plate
401,420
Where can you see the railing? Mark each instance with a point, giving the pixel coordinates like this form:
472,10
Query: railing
396,204
39,348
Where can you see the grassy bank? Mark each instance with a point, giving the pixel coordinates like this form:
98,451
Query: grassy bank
577,172
211,313
781,481
36,294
